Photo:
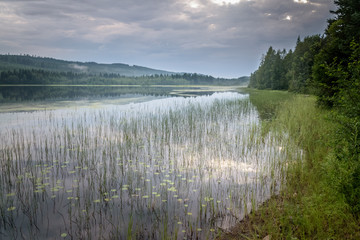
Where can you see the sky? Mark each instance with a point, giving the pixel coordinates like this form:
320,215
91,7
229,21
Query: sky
222,38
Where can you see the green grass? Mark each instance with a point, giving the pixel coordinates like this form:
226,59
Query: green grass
309,206
267,102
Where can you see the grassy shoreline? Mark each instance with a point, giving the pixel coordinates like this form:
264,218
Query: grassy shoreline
308,206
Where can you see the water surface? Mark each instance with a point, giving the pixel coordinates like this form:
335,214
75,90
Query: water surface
155,167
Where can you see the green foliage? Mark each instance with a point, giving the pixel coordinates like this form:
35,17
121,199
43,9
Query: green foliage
348,77
337,50
347,115
271,73
337,75
288,71
299,74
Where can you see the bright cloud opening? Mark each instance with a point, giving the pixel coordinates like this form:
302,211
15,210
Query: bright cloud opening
194,4
212,27
224,2
301,1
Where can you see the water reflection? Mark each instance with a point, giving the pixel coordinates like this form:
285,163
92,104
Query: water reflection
32,98
172,167
48,93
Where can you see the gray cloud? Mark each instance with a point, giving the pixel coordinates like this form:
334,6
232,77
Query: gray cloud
179,35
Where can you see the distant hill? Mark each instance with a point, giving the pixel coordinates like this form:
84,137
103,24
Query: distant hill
12,62
244,81
26,69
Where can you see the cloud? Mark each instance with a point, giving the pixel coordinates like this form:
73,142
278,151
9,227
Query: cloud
225,37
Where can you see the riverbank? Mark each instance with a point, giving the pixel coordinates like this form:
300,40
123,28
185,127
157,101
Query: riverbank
308,206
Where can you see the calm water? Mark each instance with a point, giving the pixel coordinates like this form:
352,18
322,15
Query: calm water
145,167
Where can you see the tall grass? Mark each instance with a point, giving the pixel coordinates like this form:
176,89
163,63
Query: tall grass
184,167
309,206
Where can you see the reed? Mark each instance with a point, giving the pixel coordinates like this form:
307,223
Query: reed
202,161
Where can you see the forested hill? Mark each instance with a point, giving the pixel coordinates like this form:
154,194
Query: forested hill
25,69
13,62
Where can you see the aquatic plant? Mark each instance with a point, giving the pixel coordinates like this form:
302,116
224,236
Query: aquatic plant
181,167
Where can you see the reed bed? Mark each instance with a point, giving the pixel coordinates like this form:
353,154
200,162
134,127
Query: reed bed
172,168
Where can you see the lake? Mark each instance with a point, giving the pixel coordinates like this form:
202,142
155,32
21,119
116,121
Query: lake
133,165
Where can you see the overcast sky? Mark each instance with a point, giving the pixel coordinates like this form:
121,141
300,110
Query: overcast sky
223,38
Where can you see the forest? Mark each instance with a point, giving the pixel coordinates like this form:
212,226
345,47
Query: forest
26,61
327,66
43,77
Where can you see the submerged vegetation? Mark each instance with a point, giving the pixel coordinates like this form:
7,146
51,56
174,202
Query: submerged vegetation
169,168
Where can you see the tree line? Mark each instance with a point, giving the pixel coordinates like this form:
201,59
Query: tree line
327,66
44,77
292,70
